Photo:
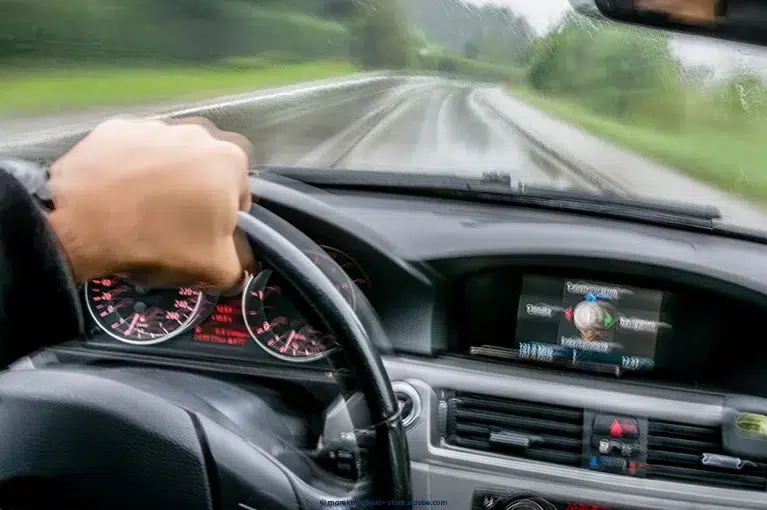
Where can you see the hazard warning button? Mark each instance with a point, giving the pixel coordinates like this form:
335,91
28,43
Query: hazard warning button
617,427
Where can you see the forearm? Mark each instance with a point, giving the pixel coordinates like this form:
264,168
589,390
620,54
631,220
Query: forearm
38,299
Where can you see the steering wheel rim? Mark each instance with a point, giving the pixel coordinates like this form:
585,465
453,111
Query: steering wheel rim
56,417
261,227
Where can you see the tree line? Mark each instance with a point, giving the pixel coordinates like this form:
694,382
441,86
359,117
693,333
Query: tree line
632,74
436,35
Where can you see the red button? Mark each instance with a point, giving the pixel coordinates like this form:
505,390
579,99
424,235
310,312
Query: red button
621,428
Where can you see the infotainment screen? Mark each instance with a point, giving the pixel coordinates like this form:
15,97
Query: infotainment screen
582,322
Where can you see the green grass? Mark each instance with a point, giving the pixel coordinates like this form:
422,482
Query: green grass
729,158
28,92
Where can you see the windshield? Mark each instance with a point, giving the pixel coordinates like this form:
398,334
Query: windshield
459,87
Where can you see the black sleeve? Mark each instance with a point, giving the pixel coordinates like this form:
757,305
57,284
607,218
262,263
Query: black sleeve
38,299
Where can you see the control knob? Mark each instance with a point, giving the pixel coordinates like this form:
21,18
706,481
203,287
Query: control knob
524,504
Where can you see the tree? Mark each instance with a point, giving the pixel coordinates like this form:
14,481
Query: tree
383,34
497,32
470,50
617,71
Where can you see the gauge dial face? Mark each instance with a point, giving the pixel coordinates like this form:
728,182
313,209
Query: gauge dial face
276,324
349,280
139,315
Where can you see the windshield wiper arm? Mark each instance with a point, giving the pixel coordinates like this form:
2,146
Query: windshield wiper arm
499,187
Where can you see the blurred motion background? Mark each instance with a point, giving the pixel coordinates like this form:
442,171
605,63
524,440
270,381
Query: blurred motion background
66,55
694,105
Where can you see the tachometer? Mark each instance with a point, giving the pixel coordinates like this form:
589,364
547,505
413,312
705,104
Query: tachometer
276,324
139,315
349,279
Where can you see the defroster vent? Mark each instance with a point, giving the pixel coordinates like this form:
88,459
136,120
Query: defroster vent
693,454
516,428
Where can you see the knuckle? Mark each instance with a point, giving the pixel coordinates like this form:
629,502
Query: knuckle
200,121
123,122
113,124
192,131
234,153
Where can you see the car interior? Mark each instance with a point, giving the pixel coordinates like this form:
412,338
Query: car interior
420,342
462,301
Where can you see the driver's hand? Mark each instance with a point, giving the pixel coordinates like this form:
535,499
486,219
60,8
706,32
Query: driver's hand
155,199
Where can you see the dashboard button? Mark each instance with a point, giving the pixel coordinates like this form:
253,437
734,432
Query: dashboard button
609,464
409,402
524,504
620,428
405,404
616,447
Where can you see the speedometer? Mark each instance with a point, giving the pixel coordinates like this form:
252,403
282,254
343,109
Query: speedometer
140,315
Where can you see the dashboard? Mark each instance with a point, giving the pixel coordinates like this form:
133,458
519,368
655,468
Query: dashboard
261,315
544,358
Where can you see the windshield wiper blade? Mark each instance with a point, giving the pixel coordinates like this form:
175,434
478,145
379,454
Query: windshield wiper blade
499,187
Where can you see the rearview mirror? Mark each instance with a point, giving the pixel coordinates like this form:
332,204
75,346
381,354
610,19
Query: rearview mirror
736,20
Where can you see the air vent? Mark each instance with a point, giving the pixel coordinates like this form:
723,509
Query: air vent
514,427
675,452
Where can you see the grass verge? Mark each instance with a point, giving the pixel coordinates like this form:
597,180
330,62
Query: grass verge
28,92
730,159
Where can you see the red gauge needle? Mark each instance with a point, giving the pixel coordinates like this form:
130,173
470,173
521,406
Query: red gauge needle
132,324
289,341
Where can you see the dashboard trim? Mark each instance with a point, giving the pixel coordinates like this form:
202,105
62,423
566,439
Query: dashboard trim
462,466
554,388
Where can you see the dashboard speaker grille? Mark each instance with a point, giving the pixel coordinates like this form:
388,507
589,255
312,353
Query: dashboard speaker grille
514,427
675,452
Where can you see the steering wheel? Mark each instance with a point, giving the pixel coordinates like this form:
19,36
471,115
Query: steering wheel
121,439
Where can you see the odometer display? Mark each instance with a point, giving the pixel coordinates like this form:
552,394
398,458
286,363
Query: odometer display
140,315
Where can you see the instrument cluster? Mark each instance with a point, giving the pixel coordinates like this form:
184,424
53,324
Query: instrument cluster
266,310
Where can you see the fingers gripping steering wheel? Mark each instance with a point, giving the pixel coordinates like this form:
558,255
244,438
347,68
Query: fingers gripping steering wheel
124,443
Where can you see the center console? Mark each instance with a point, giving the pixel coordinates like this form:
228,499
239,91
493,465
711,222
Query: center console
610,324
588,325
585,390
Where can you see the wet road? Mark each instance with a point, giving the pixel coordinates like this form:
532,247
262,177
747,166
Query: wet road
422,124
425,125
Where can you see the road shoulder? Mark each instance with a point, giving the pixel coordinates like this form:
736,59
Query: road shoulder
627,171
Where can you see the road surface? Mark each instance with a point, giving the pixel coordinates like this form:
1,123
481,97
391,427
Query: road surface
424,124
427,126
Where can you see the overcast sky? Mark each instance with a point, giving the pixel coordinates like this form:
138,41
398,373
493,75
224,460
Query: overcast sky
539,13
723,56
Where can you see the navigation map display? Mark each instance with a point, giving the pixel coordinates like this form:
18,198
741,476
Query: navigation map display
588,324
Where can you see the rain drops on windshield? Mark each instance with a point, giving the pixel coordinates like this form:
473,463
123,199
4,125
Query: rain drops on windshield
530,89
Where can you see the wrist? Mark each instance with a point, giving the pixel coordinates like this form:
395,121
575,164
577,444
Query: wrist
76,250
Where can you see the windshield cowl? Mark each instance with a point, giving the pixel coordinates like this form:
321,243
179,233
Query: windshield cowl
499,188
